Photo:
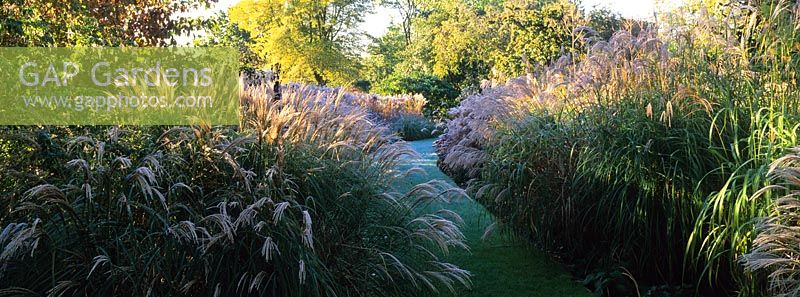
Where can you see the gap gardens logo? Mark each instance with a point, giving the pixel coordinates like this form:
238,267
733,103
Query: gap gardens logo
119,86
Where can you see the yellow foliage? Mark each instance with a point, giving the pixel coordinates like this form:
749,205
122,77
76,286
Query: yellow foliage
301,38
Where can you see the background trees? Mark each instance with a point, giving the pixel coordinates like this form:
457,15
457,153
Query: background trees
450,44
457,42
384,54
462,42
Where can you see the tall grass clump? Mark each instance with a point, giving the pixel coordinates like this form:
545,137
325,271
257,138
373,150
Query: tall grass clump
473,125
293,202
639,159
402,113
776,248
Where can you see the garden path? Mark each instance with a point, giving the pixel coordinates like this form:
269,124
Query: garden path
500,265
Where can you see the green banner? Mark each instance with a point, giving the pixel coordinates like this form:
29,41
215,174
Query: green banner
119,86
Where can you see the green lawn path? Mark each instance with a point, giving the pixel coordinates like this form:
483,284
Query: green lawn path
500,266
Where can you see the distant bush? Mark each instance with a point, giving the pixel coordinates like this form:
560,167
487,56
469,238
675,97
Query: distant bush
363,86
413,127
440,94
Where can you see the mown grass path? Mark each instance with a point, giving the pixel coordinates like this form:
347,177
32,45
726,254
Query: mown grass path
500,266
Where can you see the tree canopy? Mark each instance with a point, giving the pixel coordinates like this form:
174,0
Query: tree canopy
384,54
95,22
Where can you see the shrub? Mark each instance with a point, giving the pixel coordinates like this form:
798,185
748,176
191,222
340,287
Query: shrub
440,94
294,202
413,127
387,108
362,86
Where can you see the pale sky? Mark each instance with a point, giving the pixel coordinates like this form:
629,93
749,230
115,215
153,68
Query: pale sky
635,9
378,21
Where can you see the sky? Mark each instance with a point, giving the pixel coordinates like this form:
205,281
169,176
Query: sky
636,9
381,18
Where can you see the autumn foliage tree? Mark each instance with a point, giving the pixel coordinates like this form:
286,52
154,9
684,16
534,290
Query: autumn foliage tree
308,40
96,22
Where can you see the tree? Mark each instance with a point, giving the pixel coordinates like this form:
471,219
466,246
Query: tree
221,32
460,44
95,22
309,40
449,42
383,54
528,32
481,6
409,10
605,22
